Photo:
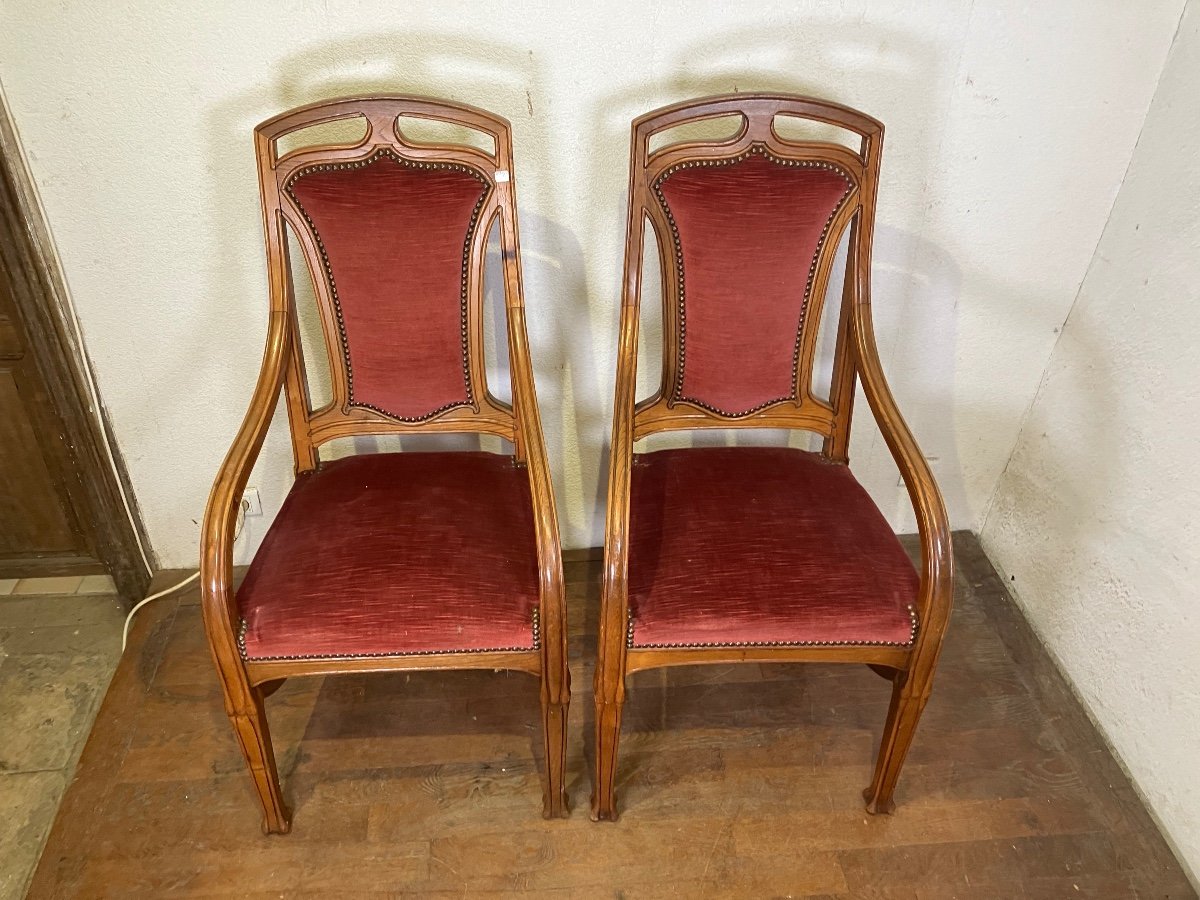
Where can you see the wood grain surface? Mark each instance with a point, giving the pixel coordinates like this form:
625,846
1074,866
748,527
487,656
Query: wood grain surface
856,357
246,685
738,781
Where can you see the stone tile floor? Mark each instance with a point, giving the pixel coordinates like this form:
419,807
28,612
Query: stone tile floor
60,640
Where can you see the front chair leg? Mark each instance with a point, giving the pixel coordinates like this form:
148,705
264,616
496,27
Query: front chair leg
249,720
608,736
903,715
554,728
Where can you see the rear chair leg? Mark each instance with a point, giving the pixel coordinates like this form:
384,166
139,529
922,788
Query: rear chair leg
903,715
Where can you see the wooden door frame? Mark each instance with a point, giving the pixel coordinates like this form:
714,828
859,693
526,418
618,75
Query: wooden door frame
97,482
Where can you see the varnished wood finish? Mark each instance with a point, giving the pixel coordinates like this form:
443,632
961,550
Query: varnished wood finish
271,671
738,781
61,510
245,685
856,358
638,660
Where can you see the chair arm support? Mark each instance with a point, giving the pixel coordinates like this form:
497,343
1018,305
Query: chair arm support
220,516
937,572
615,596
541,488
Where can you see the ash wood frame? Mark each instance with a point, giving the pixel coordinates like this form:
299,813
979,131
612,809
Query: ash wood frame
94,487
247,683
910,669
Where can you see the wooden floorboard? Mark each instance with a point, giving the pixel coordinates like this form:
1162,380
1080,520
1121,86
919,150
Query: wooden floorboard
739,781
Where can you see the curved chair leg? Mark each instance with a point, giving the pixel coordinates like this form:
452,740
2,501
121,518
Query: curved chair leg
249,720
554,727
608,737
885,672
556,703
903,715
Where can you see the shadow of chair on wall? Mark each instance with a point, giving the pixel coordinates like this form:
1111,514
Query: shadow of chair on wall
1042,484
915,284
495,76
505,80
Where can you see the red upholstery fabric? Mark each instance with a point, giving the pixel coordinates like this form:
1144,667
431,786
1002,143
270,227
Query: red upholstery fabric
396,553
749,232
748,545
394,237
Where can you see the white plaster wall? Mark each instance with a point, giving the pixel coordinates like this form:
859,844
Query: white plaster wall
1010,125
1097,517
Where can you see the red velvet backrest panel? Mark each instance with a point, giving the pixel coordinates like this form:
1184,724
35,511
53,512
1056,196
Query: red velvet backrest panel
394,237
747,232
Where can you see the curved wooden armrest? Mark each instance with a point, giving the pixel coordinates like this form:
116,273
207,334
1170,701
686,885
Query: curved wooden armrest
615,608
550,574
220,516
614,596
528,438
936,592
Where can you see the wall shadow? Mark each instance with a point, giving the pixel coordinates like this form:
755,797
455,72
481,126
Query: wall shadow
493,75
915,284
1042,490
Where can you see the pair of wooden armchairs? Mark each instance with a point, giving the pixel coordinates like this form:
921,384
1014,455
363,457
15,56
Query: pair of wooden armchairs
451,560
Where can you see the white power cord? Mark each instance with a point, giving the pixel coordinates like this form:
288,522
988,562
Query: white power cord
173,588
132,612
53,259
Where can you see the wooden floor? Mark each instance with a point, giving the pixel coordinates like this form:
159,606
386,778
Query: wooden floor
734,781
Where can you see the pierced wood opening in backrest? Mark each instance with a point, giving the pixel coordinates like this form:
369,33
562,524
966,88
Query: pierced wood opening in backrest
393,231
749,225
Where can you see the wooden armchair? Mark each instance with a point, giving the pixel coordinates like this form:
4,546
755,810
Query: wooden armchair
760,554
389,561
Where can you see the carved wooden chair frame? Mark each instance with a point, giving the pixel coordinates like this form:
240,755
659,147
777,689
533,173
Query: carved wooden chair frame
247,683
910,669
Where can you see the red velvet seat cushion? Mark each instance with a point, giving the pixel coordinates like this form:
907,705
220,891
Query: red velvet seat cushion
750,545
395,553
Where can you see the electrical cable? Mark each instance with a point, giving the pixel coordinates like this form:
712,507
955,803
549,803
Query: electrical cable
173,588
76,333
132,612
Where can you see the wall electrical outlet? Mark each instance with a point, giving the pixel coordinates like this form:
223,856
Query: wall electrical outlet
252,502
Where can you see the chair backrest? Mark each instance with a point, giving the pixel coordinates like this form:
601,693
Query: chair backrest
394,233
748,227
